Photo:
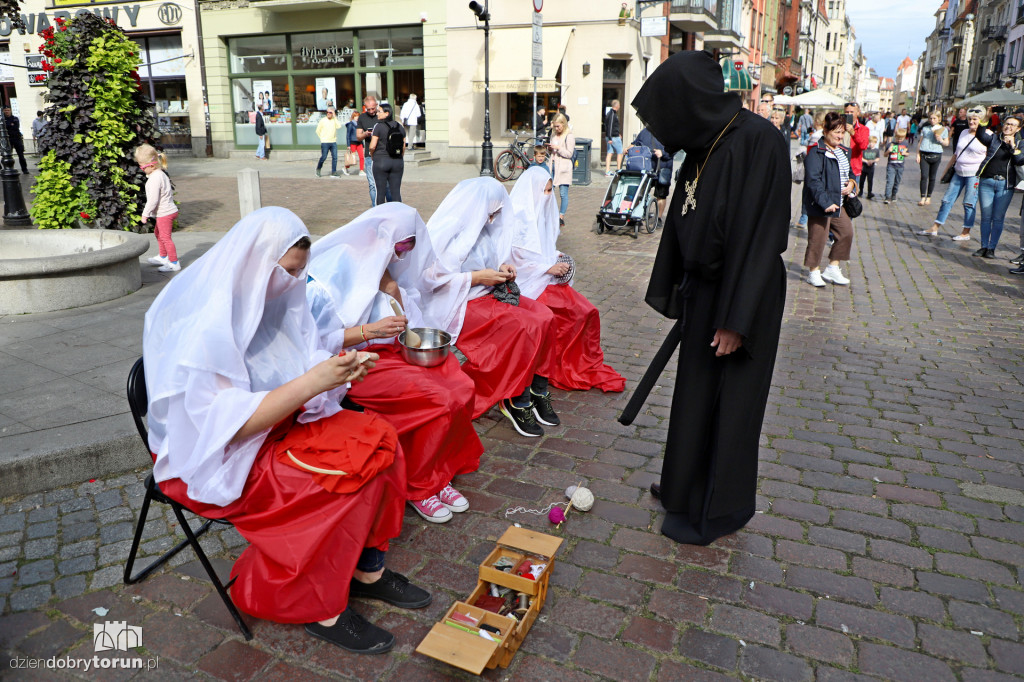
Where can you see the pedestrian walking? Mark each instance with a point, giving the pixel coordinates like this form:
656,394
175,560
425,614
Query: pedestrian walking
410,118
663,168
160,205
612,137
827,183
890,128
965,162
261,134
876,127
805,126
366,122
857,135
912,133
355,147
38,127
958,125
562,145
867,175
327,130
387,148
718,268
896,155
934,137
998,176
15,137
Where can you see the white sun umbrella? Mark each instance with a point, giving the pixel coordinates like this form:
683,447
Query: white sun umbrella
817,98
994,98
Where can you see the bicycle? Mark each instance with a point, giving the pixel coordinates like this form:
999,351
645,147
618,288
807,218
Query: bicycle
511,163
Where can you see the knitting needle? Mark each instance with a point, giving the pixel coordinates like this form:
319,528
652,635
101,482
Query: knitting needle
569,506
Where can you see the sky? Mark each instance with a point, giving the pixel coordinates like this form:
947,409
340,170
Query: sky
890,30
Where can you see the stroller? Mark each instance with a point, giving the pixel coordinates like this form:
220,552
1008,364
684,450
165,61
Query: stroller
629,202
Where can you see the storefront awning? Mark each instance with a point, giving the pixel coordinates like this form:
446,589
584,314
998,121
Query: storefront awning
511,57
736,79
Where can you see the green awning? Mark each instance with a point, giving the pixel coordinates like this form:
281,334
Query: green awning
736,79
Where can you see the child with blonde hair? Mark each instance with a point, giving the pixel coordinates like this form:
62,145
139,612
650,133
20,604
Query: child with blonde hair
159,204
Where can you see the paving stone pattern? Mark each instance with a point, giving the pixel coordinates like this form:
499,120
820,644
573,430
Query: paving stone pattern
888,543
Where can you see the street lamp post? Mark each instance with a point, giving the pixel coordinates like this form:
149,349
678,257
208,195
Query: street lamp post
487,149
15,213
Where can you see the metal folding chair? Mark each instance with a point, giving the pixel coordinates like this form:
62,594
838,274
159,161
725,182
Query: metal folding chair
139,404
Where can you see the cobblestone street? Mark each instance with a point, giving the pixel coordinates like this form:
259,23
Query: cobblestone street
889,541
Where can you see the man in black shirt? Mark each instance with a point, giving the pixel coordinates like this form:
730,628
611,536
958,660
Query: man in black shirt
364,131
613,137
959,125
15,136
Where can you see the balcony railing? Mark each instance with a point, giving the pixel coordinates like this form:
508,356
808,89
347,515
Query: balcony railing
944,32
958,41
708,6
994,32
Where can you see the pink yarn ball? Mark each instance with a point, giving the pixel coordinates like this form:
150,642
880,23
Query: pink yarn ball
556,515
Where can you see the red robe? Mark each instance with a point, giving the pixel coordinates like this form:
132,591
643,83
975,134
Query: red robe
432,410
505,346
304,542
578,359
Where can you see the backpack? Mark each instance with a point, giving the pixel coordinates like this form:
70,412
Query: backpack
638,158
395,141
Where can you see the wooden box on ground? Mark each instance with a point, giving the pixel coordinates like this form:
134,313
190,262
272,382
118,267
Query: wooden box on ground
470,651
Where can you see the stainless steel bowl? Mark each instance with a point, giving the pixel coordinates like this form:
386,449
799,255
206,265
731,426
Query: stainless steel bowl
433,350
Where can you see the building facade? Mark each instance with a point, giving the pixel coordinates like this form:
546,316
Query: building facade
988,62
956,75
814,25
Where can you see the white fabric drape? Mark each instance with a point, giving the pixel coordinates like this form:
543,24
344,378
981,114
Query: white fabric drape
460,239
222,334
536,232
346,267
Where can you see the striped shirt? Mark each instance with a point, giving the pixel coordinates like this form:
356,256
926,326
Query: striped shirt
844,164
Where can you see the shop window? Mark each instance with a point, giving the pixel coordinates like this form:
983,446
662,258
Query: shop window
333,50
163,75
6,70
272,93
520,109
312,97
391,47
258,53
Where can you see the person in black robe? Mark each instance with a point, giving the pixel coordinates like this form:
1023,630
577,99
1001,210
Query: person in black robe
719,272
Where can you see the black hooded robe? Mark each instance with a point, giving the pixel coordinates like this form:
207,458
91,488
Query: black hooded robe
720,267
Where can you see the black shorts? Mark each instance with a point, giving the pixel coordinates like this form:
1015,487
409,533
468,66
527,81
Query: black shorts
660,191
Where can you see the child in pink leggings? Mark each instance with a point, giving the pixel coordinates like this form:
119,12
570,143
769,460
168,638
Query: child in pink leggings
159,203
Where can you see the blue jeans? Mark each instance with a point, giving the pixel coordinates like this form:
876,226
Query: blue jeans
994,197
372,184
332,148
261,150
563,193
371,560
957,185
893,175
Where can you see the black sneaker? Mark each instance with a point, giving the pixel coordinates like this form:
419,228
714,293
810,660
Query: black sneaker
354,633
522,418
394,588
542,409
1019,260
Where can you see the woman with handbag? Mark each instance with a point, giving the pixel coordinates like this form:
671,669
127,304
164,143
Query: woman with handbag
997,178
934,137
829,197
358,305
961,175
462,280
245,425
562,145
545,274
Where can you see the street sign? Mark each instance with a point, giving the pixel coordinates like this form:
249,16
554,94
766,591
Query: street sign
537,63
538,5
34,67
653,27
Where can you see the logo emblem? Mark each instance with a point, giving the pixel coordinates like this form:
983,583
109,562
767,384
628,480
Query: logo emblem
169,14
116,635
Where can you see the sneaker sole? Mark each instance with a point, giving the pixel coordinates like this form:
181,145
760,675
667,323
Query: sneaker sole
537,415
431,519
501,408
832,281
816,286
382,650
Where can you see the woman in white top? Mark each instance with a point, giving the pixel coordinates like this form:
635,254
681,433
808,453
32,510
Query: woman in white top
969,155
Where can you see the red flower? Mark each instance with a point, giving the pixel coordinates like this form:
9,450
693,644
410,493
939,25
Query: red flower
57,60
84,215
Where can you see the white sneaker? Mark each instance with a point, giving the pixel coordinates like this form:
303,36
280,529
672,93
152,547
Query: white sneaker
835,275
962,238
170,267
432,510
814,278
362,174
158,260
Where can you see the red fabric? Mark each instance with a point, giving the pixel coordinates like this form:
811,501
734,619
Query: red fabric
858,143
164,224
505,346
304,541
432,410
578,360
358,149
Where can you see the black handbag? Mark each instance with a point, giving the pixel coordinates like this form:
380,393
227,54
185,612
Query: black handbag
853,206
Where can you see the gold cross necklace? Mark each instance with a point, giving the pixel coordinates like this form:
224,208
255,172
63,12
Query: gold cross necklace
691,187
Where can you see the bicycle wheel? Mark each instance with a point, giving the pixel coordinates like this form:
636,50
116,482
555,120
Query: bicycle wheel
505,166
651,215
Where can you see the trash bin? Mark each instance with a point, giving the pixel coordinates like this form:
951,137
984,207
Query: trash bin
581,166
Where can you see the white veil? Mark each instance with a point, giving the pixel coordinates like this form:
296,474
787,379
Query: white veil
536,232
223,333
346,267
460,241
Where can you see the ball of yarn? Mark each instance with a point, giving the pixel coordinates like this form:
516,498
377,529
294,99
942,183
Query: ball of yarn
556,515
569,491
582,499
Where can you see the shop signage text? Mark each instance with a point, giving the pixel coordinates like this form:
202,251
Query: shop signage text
34,23
325,55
